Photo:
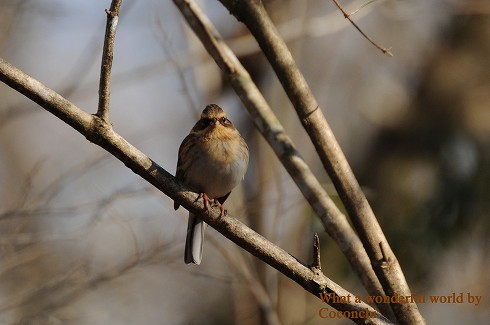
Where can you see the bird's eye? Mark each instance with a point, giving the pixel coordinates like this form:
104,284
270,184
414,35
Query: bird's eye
223,119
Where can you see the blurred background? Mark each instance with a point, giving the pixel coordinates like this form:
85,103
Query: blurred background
84,241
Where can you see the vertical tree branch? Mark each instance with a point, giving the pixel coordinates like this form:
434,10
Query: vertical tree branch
253,14
266,122
317,264
107,56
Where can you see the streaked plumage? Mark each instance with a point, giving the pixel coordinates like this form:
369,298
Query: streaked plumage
212,161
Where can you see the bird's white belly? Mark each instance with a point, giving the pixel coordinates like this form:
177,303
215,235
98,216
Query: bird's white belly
216,179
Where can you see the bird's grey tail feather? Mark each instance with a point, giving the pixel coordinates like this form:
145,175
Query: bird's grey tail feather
194,240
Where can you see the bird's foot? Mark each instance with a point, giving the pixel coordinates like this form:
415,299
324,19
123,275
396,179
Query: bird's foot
206,200
210,202
223,211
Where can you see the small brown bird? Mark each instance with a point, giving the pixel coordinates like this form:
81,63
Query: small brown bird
212,161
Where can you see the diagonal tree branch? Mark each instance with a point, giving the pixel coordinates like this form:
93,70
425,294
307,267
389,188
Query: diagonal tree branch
101,133
253,14
266,122
107,56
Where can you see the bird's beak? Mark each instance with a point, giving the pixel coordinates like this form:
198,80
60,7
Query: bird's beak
214,122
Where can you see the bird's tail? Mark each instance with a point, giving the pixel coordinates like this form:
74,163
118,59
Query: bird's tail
194,240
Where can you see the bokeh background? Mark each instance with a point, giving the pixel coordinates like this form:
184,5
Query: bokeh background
84,241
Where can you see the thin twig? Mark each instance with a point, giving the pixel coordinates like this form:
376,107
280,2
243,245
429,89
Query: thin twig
362,6
348,17
317,264
385,260
107,56
267,123
104,136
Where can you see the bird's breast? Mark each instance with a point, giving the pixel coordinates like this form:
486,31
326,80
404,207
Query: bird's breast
219,167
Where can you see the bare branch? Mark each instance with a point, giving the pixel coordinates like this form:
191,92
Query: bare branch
101,133
266,122
255,17
348,17
316,254
107,56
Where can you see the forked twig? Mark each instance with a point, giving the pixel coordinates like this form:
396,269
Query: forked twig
348,17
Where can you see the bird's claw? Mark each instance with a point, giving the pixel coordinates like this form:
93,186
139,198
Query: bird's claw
222,210
212,202
206,200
